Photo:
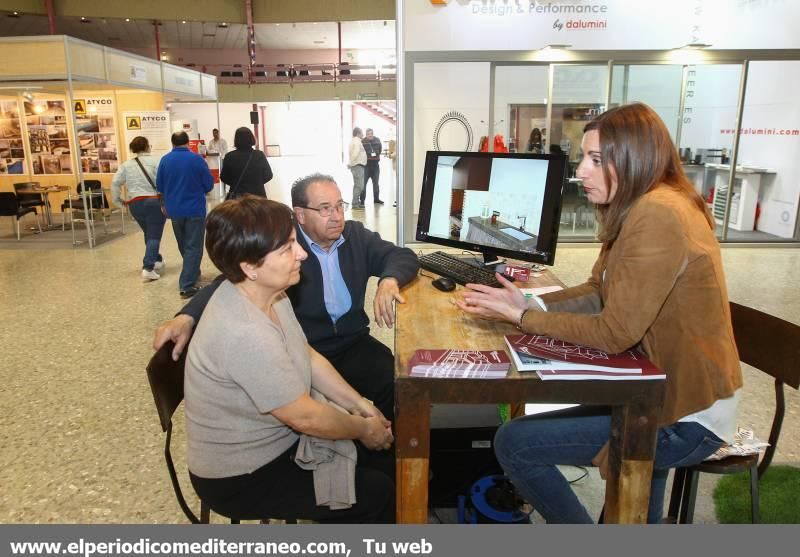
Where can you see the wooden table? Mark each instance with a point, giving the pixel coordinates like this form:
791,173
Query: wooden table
429,319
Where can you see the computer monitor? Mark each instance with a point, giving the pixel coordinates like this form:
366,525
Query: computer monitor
499,204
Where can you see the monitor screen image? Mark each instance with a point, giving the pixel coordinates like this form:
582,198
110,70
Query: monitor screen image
499,204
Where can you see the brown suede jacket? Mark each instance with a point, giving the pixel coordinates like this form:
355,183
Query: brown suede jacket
661,285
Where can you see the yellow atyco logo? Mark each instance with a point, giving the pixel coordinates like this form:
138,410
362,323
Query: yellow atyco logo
133,122
80,107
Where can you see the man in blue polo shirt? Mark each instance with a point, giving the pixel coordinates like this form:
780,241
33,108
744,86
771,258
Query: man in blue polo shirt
183,179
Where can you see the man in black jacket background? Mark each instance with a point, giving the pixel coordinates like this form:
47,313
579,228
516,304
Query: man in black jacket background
373,147
329,299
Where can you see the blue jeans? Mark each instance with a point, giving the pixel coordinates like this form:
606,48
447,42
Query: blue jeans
147,213
189,232
529,448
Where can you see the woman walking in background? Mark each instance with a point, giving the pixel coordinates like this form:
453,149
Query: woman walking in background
139,176
245,170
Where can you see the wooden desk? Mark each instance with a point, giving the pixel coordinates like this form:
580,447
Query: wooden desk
429,319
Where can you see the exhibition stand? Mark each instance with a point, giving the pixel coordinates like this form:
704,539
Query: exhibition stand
69,108
529,76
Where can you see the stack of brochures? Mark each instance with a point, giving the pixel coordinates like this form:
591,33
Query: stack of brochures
557,359
459,364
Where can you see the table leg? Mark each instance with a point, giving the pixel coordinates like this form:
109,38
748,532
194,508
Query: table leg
631,452
412,446
48,210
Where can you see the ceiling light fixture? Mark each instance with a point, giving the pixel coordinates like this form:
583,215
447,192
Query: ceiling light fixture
127,19
28,96
696,46
183,21
556,46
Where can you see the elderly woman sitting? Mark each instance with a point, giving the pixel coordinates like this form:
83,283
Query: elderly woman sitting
269,420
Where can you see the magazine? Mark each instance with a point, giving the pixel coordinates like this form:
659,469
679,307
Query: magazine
535,352
484,364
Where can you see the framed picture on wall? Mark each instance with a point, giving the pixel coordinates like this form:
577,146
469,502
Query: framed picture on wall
96,133
12,151
48,136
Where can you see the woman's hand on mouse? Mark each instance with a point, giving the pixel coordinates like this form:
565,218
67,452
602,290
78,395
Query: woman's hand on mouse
504,304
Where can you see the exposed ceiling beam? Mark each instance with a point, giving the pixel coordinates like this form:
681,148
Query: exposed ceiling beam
230,11
281,11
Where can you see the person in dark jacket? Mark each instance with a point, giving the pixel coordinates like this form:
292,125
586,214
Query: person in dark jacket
373,147
329,299
245,169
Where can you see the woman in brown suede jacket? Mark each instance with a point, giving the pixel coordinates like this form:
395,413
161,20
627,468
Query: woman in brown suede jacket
657,283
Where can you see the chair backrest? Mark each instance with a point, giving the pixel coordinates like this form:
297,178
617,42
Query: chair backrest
166,382
28,196
771,345
96,187
9,205
767,343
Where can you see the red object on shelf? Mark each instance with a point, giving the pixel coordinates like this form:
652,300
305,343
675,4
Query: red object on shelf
499,144
194,145
710,198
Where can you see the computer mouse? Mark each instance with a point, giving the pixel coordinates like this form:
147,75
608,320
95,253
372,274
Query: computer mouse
444,284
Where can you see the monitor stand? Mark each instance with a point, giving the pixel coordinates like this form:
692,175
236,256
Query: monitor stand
491,259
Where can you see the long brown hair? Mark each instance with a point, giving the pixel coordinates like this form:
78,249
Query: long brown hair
635,142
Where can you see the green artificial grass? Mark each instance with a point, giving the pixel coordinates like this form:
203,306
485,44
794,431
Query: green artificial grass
779,496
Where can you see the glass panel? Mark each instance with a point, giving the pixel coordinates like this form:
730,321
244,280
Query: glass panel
520,106
579,94
767,201
658,86
706,141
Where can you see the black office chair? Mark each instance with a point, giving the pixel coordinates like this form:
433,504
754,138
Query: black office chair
166,382
27,199
10,207
771,345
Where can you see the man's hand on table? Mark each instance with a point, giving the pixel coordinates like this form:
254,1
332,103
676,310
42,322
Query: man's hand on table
388,292
178,330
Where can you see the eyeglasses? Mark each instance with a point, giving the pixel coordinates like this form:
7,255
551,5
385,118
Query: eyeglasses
327,210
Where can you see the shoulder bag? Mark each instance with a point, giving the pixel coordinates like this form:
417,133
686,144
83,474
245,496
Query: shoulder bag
149,179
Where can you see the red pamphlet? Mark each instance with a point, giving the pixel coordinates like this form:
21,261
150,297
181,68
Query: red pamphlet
536,352
459,363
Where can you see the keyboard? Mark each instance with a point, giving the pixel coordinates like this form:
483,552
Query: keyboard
460,271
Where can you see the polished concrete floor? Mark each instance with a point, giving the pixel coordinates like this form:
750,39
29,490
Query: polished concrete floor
79,433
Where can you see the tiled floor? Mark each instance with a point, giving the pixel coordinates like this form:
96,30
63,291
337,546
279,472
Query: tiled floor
79,433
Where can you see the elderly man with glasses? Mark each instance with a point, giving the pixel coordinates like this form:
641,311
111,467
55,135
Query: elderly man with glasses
329,299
